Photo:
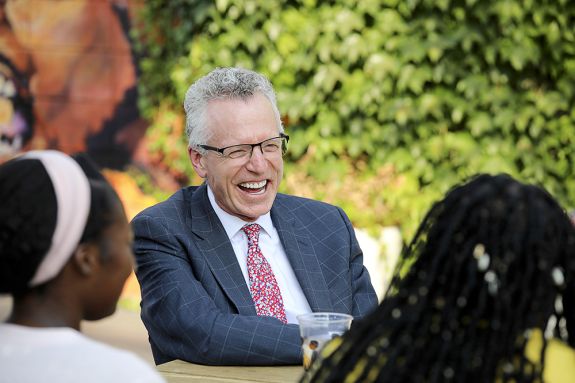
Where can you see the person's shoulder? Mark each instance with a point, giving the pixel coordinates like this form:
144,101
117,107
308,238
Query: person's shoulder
301,206
66,355
315,216
119,362
292,200
559,357
175,203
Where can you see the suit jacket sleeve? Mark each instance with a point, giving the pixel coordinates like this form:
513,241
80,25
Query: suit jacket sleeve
183,319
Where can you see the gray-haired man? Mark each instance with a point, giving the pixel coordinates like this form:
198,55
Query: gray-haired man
226,267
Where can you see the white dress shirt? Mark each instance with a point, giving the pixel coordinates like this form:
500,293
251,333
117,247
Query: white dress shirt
295,302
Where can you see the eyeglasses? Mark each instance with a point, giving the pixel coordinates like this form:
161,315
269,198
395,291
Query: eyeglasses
271,146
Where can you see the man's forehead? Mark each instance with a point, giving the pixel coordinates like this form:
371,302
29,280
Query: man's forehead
239,121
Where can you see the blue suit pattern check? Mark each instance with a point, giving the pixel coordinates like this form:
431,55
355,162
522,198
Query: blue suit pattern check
196,304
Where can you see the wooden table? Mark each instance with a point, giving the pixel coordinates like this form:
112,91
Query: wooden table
178,371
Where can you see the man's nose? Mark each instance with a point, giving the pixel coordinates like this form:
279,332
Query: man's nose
257,158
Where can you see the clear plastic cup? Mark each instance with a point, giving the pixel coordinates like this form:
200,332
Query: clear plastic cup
317,329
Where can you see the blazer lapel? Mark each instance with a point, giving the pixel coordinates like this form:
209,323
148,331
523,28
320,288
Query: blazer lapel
218,252
300,252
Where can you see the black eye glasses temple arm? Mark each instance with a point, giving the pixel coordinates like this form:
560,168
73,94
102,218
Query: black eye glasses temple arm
212,148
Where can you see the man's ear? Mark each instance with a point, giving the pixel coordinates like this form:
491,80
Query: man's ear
197,160
86,259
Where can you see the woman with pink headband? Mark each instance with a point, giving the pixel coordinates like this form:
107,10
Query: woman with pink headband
65,253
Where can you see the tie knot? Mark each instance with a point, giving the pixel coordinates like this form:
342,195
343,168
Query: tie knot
252,231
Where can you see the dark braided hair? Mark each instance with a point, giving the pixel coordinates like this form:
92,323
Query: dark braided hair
27,221
489,264
28,211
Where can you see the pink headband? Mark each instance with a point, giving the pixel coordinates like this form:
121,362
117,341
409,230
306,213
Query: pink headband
72,190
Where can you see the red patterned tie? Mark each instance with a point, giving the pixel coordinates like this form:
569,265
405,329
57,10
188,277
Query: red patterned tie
263,285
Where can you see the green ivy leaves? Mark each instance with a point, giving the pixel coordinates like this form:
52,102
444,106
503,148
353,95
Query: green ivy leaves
389,103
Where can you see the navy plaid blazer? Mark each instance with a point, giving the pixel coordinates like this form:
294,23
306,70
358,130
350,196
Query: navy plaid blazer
196,305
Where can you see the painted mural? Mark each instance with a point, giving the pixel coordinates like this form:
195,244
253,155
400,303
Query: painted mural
68,77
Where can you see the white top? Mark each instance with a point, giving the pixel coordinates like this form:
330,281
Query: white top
295,302
62,354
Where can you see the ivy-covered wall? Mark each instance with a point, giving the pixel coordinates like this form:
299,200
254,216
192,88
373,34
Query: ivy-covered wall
388,103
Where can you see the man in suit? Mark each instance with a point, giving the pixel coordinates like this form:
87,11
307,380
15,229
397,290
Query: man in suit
226,267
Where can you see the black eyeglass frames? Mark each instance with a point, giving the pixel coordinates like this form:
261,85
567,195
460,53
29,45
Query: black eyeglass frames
271,146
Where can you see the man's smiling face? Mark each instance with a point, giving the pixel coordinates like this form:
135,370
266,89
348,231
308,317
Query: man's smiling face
244,187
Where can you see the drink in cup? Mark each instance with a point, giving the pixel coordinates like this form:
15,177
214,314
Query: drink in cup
317,329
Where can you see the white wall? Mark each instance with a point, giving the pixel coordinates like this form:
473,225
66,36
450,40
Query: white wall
380,255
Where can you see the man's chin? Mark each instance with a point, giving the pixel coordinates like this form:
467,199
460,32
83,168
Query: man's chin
253,213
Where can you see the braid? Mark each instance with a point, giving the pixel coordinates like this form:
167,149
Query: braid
469,287
27,221
104,203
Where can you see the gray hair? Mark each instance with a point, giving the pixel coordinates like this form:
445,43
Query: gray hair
222,83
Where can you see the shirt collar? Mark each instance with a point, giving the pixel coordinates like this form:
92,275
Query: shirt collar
233,224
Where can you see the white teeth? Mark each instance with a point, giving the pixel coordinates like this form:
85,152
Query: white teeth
254,185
